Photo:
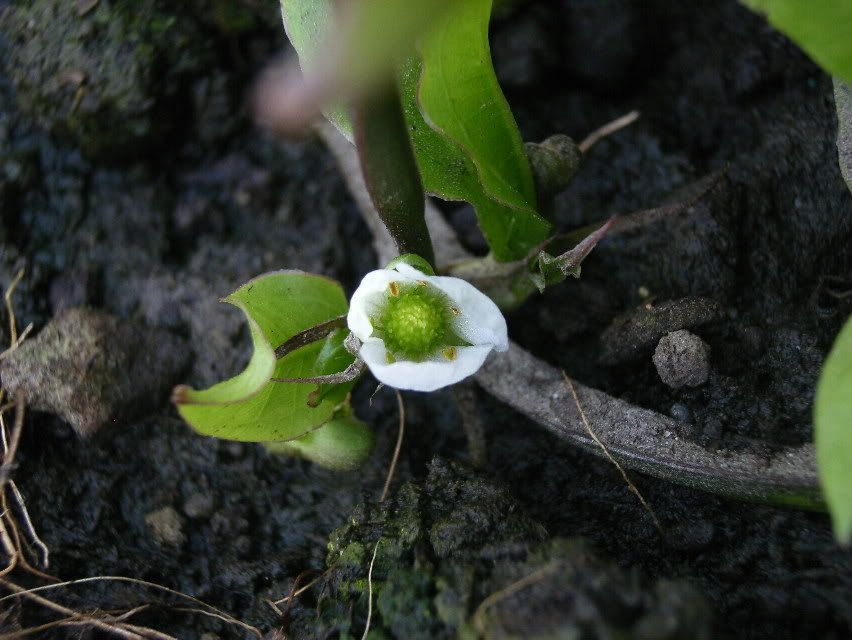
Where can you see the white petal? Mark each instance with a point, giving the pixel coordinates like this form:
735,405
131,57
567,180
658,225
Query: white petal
368,296
480,322
422,376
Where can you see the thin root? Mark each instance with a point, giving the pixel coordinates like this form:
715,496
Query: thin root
398,447
370,590
607,130
210,608
630,485
536,576
18,341
10,311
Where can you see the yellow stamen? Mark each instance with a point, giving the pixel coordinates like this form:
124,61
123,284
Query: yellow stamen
455,311
394,288
450,353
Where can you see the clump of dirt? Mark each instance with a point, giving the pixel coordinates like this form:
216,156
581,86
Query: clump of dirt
92,369
445,545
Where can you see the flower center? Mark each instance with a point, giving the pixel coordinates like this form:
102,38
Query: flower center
415,322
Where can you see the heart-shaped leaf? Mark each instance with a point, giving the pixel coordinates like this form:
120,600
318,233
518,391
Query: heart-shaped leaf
249,407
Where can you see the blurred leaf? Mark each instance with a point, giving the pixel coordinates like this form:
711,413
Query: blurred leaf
833,432
310,25
249,407
471,150
823,28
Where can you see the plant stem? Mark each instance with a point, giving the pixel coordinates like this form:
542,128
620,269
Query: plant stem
390,171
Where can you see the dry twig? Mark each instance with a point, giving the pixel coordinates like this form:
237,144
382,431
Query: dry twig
370,591
508,591
118,629
607,130
210,609
398,447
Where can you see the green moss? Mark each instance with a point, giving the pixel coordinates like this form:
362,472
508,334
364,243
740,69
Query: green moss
456,538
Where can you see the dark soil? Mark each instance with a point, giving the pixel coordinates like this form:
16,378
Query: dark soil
132,181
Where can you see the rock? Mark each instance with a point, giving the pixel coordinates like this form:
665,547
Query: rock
682,359
167,526
91,368
635,332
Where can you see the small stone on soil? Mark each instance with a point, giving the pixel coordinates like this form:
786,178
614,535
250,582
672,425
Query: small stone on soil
91,368
682,359
636,331
167,526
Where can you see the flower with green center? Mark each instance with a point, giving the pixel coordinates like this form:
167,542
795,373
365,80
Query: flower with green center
423,332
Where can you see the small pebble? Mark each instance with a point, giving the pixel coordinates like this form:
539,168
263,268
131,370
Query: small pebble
167,526
682,359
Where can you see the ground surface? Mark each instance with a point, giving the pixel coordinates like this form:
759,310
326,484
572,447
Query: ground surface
132,181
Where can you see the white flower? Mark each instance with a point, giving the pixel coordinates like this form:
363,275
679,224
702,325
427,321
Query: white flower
422,332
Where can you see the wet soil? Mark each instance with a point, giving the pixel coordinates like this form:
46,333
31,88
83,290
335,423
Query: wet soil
132,181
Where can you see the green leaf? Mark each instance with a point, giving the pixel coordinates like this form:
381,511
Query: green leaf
249,407
833,433
823,28
449,172
471,149
460,97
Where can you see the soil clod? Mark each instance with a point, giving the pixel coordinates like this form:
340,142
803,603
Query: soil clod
635,332
91,368
682,359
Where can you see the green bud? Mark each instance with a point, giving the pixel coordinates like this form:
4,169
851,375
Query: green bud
341,444
412,260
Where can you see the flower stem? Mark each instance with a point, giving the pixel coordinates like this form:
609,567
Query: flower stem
390,171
